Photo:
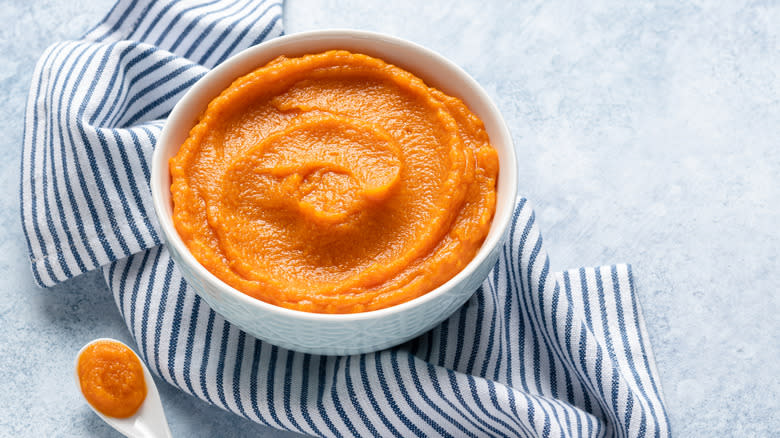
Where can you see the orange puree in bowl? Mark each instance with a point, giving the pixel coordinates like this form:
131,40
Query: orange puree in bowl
112,379
334,183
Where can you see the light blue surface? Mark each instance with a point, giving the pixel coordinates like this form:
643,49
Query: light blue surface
648,133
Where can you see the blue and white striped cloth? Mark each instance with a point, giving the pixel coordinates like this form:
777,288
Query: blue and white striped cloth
533,353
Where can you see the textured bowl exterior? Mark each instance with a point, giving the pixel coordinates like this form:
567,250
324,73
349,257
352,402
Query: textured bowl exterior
336,336
323,333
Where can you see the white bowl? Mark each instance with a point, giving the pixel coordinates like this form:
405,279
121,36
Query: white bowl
337,333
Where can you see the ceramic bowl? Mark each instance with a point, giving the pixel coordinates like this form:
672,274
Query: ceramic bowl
328,333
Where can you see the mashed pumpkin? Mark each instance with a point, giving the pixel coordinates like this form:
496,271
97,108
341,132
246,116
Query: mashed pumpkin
111,378
334,183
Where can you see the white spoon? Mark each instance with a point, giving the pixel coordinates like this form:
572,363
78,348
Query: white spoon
149,421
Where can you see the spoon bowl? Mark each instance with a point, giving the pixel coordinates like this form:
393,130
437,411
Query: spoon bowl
149,420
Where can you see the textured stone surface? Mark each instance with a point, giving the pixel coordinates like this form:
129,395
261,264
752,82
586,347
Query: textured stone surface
647,133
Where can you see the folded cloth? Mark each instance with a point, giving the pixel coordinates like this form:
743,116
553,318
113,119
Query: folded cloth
533,353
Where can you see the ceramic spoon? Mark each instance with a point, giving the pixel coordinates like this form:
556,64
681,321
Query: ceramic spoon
149,421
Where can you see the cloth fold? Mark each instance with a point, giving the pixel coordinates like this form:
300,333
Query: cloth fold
533,353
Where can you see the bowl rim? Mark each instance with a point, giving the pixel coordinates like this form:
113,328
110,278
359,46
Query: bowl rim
178,118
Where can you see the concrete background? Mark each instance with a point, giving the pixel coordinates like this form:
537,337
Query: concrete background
648,133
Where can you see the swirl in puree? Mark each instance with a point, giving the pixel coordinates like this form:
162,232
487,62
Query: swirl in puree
334,183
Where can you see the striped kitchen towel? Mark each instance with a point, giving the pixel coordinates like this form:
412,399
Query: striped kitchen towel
533,353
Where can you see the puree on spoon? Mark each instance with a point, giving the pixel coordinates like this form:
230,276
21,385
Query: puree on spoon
111,378
334,183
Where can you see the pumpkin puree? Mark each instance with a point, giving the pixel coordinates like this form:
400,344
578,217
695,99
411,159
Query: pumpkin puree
112,379
334,183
